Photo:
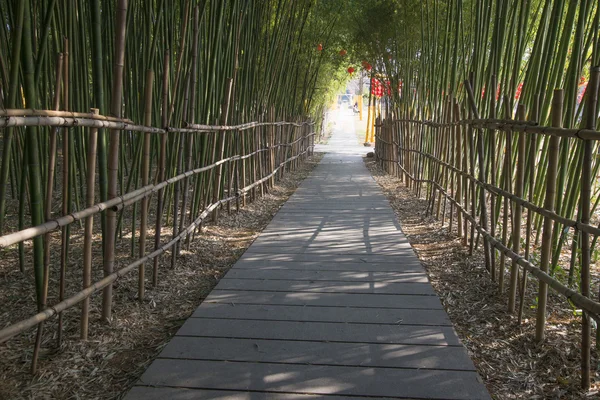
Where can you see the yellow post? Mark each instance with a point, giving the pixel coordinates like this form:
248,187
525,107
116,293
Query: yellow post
372,122
367,133
360,107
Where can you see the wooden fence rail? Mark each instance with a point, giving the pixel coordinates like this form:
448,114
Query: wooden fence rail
454,160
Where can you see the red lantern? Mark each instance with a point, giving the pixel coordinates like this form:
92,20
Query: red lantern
376,88
319,47
366,66
342,52
350,70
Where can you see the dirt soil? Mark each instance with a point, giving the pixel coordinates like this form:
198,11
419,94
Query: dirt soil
116,354
510,362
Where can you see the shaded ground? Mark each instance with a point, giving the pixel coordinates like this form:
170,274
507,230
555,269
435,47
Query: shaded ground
115,356
512,365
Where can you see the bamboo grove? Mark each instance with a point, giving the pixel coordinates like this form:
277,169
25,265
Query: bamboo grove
172,110
495,123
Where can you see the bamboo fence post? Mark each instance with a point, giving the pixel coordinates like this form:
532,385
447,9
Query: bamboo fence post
230,168
178,158
586,196
465,185
31,160
50,172
113,154
48,212
89,226
444,157
480,157
531,181
557,108
507,172
221,145
193,81
395,152
271,144
517,212
162,161
492,153
145,180
473,188
441,155
238,150
451,160
243,164
258,157
65,189
457,164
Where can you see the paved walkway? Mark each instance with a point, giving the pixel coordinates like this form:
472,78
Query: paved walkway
330,302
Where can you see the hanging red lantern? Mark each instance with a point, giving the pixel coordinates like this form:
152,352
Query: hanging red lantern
350,70
319,47
366,66
342,52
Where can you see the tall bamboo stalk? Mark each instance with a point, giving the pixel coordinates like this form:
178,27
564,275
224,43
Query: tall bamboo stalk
113,153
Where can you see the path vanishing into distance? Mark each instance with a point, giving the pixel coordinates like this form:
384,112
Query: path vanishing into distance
329,302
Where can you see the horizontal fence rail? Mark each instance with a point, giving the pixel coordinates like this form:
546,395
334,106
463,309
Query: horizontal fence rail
476,172
275,147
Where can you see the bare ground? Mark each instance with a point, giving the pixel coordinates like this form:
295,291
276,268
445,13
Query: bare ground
116,354
510,362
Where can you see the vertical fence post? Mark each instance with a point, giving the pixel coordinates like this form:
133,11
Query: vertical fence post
113,154
457,164
221,146
243,165
65,190
89,225
50,183
531,180
517,212
145,180
586,196
162,161
492,153
557,108
507,176
271,142
480,160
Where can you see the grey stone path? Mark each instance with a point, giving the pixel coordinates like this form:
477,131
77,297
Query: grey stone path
330,302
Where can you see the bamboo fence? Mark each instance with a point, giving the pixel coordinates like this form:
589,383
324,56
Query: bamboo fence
279,146
450,160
